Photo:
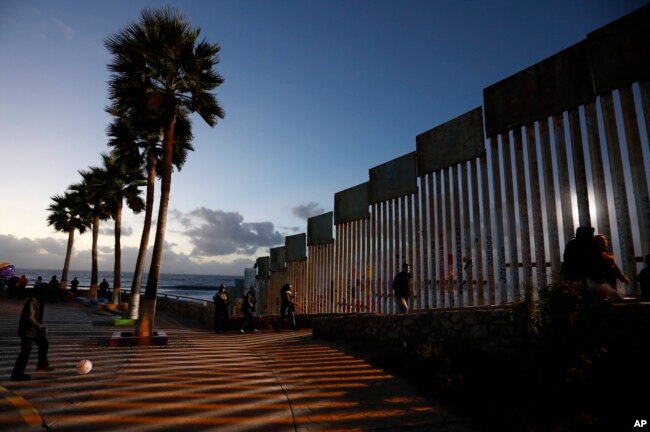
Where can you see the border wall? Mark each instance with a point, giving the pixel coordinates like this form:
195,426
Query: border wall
487,200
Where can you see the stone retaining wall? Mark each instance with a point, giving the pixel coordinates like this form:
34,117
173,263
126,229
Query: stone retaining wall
203,312
484,329
487,329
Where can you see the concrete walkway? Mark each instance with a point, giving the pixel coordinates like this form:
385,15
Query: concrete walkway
266,381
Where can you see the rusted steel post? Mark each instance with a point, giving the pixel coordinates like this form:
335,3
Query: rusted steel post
374,283
597,171
414,252
385,253
522,201
390,268
416,220
644,89
476,240
400,233
508,182
313,269
424,243
368,266
346,266
618,186
639,178
568,228
449,246
487,232
535,195
360,277
468,262
550,196
582,195
498,221
433,284
442,258
338,275
458,240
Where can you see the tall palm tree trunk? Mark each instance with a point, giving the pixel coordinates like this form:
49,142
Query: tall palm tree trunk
117,265
66,263
134,300
94,274
148,308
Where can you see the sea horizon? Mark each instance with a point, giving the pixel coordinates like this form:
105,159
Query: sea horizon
189,285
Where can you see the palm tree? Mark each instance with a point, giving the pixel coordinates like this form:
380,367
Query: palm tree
91,191
121,180
159,59
141,141
67,215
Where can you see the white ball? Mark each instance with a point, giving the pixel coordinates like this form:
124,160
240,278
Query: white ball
84,367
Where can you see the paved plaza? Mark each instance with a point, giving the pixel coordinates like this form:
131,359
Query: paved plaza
266,381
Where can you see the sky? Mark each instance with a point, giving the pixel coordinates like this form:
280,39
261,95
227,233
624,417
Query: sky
316,93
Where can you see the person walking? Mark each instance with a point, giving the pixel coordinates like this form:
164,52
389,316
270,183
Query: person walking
31,330
287,308
221,301
402,288
247,308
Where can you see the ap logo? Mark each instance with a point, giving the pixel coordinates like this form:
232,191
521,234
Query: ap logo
640,423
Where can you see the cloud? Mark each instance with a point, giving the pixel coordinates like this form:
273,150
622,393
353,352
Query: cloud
49,254
32,253
218,233
308,210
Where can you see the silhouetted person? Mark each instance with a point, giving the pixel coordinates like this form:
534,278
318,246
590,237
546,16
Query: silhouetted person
12,286
74,285
577,255
21,286
221,301
31,330
287,308
402,288
643,279
103,290
54,289
247,308
603,272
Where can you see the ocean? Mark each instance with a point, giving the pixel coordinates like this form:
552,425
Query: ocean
201,287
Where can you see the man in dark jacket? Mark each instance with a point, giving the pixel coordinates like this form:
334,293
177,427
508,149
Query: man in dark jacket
402,288
31,330
221,301
577,255
287,308
247,308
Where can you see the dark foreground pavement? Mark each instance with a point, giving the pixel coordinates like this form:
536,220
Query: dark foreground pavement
266,381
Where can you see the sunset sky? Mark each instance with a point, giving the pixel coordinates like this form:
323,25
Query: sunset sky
316,93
